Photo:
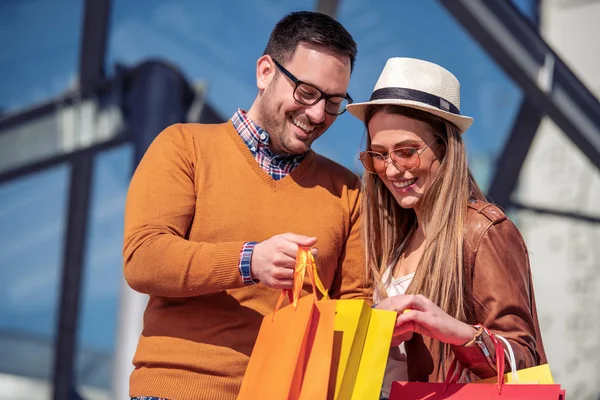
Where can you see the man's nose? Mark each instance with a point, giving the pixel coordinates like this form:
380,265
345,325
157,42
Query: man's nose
316,112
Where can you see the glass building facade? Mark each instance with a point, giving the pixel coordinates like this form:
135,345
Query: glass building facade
213,46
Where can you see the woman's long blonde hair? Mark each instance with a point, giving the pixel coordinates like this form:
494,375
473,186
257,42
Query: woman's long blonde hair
443,208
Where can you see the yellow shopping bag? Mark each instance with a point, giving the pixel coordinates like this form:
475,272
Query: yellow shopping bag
540,374
374,355
351,325
363,337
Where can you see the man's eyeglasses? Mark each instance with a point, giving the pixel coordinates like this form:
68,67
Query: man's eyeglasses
308,95
403,158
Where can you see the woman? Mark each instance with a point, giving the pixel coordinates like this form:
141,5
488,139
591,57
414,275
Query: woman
434,245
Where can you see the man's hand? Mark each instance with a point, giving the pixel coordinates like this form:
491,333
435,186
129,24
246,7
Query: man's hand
273,260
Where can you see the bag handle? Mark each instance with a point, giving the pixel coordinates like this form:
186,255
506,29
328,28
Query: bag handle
511,358
305,262
454,372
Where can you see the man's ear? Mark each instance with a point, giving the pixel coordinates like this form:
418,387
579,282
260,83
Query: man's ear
265,71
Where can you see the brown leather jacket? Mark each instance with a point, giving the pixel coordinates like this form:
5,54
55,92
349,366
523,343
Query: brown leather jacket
498,273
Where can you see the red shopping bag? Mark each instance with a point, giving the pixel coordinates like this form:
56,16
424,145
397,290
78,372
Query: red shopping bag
292,355
452,390
464,391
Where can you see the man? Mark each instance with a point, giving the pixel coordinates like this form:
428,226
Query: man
215,215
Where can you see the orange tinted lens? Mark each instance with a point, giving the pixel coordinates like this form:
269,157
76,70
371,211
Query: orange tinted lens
406,158
367,161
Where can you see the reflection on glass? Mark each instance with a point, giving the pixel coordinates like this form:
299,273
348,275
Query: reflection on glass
102,270
40,59
33,220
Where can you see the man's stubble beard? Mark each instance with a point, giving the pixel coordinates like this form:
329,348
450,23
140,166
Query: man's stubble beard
274,125
281,141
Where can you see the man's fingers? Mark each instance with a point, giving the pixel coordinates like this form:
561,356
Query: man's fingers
285,259
282,284
300,240
283,273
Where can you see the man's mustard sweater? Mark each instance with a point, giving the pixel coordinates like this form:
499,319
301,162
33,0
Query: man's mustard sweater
196,197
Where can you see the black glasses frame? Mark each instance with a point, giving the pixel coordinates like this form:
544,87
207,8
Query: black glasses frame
297,82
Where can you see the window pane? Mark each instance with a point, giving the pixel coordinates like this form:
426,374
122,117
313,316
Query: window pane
564,254
40,55
103,271
216,42
529,8
431,34
33,217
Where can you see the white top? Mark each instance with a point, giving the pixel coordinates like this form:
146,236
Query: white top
396,368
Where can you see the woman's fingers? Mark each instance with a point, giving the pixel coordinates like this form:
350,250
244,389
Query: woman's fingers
400,338
403,302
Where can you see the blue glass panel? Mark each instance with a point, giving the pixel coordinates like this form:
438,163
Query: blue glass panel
39,58
33,219
103,268
529,8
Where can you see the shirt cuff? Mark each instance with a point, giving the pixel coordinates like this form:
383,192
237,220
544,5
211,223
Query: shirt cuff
245,262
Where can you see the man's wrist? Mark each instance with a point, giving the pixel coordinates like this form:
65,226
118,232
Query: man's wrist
245,264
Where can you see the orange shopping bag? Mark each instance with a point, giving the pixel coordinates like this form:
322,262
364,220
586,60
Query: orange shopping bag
318,365
292,355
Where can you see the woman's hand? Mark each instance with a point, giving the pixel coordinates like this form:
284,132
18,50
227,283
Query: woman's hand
400,338
426,318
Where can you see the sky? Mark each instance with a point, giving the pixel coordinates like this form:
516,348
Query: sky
217,43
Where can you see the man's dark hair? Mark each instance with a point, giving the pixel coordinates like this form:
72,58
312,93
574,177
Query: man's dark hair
310,27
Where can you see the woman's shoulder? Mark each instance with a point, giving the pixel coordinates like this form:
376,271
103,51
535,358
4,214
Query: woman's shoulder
481,217
488,220
484,212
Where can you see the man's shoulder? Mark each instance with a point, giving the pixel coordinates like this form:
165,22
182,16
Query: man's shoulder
194,135
201,129
336,170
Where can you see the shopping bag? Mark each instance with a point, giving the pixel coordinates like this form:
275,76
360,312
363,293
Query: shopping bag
469,391
320,342
351,324
302,334
497,390
277,374
373,360
539,374
363,337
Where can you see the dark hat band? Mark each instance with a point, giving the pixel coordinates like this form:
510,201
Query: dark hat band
396,93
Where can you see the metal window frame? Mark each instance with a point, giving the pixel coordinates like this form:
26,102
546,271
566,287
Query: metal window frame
516,46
